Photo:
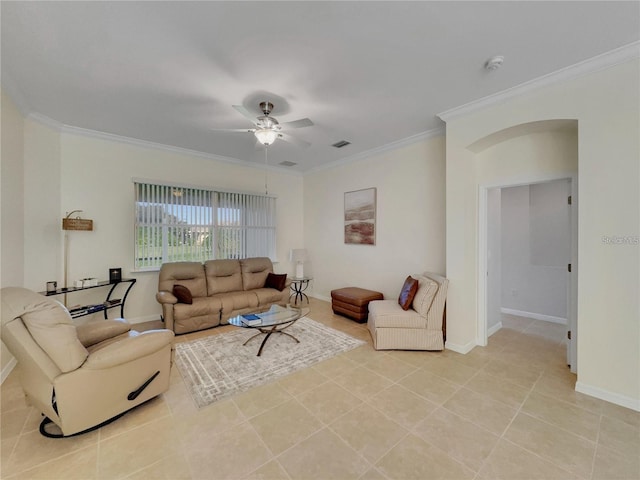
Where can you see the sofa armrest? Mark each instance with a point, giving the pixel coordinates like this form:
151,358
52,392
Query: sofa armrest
129,349
96,332
164,296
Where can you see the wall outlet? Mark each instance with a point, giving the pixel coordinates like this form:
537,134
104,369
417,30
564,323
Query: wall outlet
514,292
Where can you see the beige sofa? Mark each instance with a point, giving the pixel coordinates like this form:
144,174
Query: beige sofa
81,376
221,289
419,327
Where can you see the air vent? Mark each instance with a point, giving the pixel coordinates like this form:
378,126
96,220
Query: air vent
341,143
288,163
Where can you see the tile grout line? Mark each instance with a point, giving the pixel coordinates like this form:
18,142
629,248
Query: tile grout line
595,450
502,435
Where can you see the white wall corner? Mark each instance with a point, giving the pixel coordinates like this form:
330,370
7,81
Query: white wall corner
463,349
494,329
623,401
535,316
7,370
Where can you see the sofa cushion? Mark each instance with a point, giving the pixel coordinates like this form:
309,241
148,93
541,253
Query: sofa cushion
183,294
424,296
223,276
234,301
189,274
267,296
51,327
277,281
200,306
407,293
388,314
255,271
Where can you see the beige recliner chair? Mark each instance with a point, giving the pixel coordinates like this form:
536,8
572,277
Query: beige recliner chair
81,377
418,328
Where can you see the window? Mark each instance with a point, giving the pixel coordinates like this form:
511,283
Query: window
176,224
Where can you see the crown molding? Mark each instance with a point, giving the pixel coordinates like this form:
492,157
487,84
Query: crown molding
591,65
46,121
110,137
435,132
85,132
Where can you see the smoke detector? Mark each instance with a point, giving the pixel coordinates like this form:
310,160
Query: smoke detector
494,63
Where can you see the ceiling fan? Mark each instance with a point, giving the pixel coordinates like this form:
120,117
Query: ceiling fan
267,129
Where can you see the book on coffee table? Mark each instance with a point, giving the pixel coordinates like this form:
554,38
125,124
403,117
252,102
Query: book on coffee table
251,319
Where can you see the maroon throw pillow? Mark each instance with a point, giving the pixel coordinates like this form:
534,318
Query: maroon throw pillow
183,294
407,293
277,281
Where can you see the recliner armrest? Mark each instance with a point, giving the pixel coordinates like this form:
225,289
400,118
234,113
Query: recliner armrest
96,332
164,296
129,349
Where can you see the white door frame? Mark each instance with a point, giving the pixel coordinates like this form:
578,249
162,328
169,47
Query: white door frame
572,285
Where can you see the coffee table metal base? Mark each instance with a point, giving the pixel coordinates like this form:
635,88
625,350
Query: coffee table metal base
267,333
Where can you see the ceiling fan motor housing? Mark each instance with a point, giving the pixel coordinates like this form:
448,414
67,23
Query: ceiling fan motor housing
266,107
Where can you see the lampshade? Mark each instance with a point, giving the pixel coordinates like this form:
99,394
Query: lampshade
266,136
298,255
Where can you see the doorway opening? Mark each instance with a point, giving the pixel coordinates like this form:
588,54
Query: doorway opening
528,255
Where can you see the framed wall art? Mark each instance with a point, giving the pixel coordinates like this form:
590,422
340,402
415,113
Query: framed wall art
360,217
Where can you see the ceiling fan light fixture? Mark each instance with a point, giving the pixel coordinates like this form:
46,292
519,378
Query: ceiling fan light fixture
266,136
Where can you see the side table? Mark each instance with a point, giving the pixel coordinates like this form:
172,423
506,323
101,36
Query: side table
298,286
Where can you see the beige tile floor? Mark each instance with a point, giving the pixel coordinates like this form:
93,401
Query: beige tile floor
507,411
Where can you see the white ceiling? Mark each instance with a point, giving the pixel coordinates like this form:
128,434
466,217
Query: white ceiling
372,73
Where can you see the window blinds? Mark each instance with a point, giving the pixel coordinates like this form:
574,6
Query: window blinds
188,224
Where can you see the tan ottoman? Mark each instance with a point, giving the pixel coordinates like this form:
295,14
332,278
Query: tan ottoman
353,302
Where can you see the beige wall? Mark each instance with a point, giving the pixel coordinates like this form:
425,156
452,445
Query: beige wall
65,171
606,107
12,209
97,178
410,220
42,216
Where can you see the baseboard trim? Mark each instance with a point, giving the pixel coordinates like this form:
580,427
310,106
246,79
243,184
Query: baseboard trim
463,349
623,401
8,368
146,318
321,297
535,316
494,329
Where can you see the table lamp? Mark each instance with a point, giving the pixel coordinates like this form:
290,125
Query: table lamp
298,255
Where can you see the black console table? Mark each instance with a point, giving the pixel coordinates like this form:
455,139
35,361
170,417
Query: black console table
108,304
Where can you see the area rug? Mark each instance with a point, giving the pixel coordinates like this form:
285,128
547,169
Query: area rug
218,366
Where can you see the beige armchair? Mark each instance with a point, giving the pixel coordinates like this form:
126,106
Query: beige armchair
418,328
81,377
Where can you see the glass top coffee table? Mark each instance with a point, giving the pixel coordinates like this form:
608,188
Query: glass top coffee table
274,320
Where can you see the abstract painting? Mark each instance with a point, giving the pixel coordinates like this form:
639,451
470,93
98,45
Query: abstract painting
360,217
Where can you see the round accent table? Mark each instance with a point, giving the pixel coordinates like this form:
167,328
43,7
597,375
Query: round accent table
298,286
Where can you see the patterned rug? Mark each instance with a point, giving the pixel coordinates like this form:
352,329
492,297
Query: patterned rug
218,366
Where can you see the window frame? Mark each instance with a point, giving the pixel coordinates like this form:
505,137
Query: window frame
215,226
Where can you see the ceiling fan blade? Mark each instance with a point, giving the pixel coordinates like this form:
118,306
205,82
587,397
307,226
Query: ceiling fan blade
245,113
303,122
234,130
293,140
